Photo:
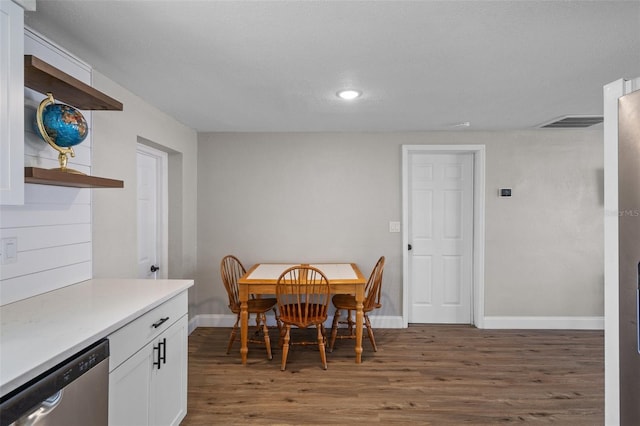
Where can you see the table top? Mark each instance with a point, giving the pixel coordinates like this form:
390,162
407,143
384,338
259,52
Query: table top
336,273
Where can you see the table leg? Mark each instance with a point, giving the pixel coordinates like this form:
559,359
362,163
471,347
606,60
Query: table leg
359,321
244,324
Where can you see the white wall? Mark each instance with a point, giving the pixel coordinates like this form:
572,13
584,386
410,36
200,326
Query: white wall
67,235
330,196
545,244
114,212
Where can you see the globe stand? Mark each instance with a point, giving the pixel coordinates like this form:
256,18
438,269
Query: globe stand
62,159
63,151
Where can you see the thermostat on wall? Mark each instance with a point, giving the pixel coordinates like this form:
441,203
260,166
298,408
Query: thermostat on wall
505,192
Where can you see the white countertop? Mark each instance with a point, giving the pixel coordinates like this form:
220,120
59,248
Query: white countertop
39,332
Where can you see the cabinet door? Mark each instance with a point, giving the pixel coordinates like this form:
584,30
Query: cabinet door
129,390
11,103
168,399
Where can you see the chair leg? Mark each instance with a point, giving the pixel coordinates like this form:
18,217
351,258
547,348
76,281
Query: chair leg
232,338
351,323
283,330
285,347
334,330
321,343
259,321
265,331
370,332
278,322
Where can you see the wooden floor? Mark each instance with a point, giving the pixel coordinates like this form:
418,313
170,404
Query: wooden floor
430,375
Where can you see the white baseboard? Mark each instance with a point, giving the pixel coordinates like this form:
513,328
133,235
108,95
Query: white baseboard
216,320
227,320
545,323
382,321
379,321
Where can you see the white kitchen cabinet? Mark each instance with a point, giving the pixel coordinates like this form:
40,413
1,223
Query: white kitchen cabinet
129,391
11,103
148,368
168,393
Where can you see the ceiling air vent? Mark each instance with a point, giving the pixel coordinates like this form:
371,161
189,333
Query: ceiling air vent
573,122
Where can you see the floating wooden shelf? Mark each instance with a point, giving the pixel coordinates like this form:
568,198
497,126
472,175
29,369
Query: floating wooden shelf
42,77
58,178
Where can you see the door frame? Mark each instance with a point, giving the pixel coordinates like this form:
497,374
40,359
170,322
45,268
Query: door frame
477,290
162,204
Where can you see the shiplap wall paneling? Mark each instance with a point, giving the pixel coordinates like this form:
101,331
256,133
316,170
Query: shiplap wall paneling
53,227
41,282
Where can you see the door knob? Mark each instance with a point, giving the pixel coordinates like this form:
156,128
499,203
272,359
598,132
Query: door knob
154,268
409,247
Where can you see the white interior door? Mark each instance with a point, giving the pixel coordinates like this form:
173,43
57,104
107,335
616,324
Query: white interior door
441,237
152,212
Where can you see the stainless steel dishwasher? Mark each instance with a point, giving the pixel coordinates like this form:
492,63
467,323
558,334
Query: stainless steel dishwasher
75,392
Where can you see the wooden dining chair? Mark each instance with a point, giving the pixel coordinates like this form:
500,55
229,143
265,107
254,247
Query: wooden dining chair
231,270
303,295
347,302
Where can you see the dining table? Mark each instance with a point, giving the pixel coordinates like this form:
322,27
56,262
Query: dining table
261,279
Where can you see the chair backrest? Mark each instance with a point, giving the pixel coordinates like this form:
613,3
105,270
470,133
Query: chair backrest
303,295
373,288
231,270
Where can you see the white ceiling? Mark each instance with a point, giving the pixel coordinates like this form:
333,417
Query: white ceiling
227,66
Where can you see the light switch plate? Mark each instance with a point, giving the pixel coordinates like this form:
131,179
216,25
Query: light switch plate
394,226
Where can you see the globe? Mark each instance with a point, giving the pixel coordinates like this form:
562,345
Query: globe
64,124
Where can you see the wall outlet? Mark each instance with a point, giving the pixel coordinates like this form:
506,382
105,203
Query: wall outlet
394,226
8,250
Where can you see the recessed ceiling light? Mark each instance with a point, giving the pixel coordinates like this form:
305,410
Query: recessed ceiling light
349,94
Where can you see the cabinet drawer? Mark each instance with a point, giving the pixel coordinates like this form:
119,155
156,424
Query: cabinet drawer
129,339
